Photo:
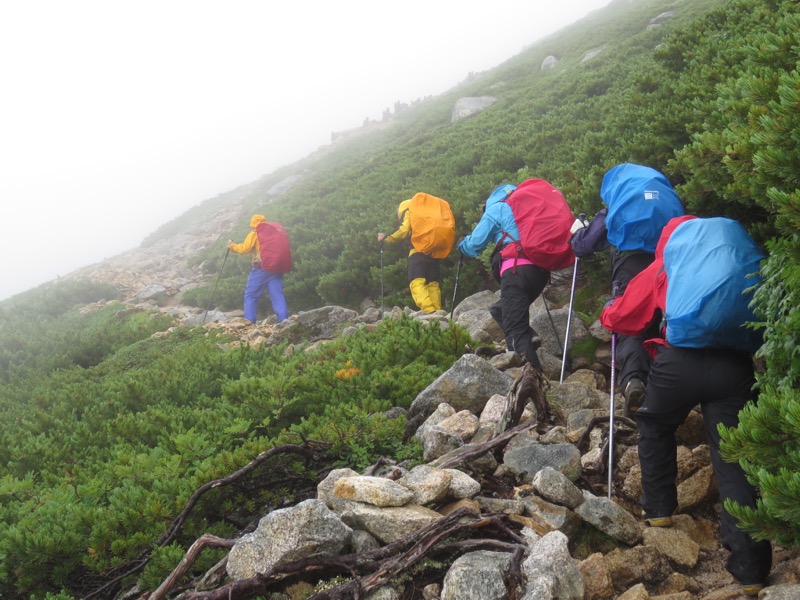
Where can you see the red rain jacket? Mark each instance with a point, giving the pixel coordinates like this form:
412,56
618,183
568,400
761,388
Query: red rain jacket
632,313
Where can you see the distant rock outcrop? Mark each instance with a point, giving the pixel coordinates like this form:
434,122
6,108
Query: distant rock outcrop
549,62
468,107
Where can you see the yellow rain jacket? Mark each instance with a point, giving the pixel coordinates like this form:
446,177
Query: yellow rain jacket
250,243
404,230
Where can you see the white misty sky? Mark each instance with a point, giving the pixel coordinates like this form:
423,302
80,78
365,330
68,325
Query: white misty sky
118,116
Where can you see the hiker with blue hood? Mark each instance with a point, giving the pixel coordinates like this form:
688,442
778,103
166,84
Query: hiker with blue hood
639,202
271,258
530,227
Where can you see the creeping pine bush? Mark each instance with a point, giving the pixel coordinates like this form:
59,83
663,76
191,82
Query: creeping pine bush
97,462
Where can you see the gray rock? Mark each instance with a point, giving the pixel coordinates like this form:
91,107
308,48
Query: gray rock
325,489
436,442
553,516
427,484
481,300
549,62
552,485
442,412
363,541
610,518
784,591
309,326
467,385
467,107
287,535
376,491
481,325
526,461
552,339
389,524
551,572
477,576
677,546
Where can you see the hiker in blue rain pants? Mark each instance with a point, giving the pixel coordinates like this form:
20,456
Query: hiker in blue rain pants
259,280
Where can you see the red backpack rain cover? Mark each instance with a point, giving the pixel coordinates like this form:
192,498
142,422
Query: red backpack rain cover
544,220
273,243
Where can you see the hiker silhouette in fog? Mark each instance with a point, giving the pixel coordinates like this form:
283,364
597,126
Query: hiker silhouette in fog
429,222
268,246
699,280
639,202
524,254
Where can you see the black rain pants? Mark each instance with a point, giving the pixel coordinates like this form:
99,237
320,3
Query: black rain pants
721,382
519,287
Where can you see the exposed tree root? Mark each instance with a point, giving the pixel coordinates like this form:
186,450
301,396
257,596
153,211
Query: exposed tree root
309,450
371,570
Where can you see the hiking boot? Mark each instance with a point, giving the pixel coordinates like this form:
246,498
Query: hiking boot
659,521
634,396
486,352
752,589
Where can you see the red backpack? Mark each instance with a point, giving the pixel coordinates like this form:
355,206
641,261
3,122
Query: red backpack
544,220
273,244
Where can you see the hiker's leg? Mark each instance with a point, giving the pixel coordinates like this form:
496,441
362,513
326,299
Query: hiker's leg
276,296
729,380
632,360
419,292
419,268
435,294
256,284
669,398
519,287
433,277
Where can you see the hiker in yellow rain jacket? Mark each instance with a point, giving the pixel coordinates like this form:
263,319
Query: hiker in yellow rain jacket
259,280
424,272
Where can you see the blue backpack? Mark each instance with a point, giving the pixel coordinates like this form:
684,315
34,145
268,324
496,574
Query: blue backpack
640,202
712,266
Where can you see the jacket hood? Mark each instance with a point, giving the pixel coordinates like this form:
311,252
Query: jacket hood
500,193
403,207
256,219
671,226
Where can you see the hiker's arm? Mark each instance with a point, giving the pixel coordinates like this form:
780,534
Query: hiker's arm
631,313
484,232
402,232
246,246
591,239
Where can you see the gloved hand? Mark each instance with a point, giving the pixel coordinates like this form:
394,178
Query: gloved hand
577,225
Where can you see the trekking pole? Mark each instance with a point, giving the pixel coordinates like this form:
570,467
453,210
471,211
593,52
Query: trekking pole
569,320
455,287
552,322
214,291
611,415
614,293
582,219
382,311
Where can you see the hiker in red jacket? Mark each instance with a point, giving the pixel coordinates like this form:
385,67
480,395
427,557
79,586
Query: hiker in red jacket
259,280
721,382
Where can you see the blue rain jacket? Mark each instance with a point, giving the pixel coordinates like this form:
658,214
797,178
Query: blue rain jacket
497,218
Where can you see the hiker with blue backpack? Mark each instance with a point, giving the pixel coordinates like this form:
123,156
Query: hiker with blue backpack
529,225
639,201
271,258
701,281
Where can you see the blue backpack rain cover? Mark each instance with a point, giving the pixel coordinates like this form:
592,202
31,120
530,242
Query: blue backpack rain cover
640,202
712,266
